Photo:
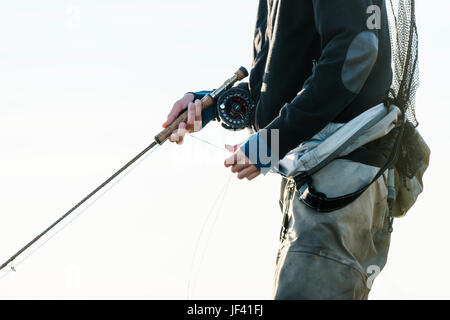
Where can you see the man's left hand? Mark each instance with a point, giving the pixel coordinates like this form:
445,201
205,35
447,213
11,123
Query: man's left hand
240,164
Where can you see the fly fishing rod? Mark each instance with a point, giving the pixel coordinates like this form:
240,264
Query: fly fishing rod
207,101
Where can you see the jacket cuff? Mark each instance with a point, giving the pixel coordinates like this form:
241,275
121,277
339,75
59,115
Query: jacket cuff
256,149
208,114
199,94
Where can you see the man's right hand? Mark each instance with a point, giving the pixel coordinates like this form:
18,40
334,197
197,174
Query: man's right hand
194,122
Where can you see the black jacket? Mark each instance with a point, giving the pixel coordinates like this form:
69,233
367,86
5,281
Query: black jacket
320,61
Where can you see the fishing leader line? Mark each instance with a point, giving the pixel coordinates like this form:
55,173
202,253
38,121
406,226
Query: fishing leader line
14,266
223,94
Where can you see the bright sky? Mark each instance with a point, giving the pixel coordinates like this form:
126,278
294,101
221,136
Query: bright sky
85,85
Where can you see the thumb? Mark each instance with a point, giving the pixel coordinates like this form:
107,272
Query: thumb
232,148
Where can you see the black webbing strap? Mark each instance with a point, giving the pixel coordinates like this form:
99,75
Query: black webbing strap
321,203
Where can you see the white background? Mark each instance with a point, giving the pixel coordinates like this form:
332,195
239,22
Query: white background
85,85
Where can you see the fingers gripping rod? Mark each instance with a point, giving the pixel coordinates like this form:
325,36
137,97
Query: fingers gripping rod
207,102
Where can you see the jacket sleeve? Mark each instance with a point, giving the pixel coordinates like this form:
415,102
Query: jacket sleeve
349,52
260,51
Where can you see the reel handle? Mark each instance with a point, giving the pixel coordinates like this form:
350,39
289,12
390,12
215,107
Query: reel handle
207,101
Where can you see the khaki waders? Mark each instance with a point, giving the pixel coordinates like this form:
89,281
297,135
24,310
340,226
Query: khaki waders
333,255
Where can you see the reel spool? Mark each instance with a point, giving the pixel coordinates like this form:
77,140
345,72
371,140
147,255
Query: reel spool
234,108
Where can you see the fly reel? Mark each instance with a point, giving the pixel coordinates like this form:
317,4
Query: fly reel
234,109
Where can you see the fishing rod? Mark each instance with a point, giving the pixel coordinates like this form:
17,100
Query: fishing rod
229,101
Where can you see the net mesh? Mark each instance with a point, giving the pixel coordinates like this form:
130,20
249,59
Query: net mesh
404,42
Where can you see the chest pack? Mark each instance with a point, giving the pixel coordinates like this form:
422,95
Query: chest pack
410,155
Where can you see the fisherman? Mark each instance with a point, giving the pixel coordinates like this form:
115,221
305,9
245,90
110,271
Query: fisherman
317,64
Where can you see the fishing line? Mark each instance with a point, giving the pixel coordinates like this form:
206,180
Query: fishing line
13,267
207,101
213,214
221,197
209,143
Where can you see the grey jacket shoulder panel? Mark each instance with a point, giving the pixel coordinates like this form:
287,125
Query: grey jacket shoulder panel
360,59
